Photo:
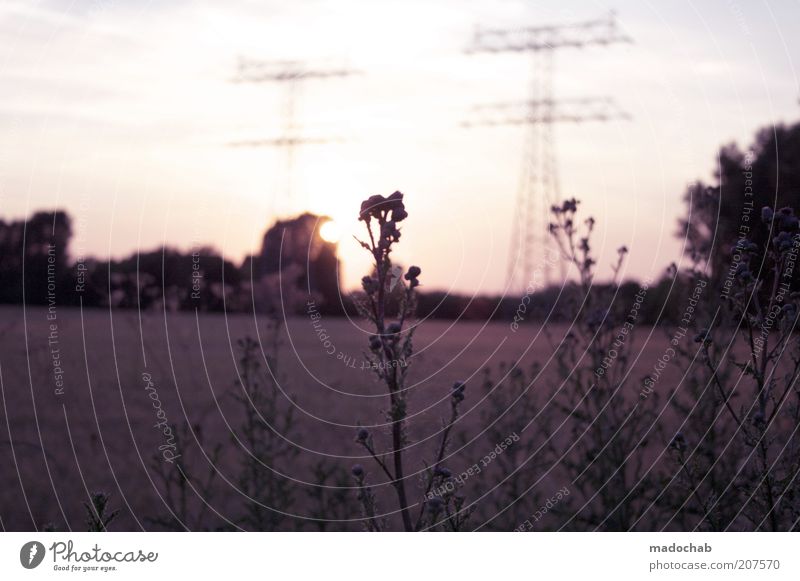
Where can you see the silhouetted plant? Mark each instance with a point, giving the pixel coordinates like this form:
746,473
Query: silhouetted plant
330,498
607,426
265,436
512,408
390,350
269,434
694,470
98,513
185,492
758,393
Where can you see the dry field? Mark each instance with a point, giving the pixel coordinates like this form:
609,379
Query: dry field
100,433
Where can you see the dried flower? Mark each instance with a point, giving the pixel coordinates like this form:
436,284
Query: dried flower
678,442
743,273
379,207
375,343
788,221
389,234
434,504
783,241
442,472
395,201
458,391
371,207
369,284
412,274
704,337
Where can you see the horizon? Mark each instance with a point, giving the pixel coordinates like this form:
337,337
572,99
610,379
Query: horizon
125,119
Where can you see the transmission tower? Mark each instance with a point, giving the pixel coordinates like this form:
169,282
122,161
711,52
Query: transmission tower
539,186
291,75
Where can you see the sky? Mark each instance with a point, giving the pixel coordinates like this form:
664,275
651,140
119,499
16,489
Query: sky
123,112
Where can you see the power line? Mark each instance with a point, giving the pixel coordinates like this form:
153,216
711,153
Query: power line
291,74
539,186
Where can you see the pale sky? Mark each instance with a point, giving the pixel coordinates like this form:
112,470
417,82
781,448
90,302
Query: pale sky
120,112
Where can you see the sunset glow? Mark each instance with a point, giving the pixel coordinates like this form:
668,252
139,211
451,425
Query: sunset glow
330,232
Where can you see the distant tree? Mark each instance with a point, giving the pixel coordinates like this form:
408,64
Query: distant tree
295,249
35,265
34,258
171,279
720,213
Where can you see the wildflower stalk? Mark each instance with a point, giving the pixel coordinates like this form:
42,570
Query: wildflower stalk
183,481
456,398
605,428
762,298
678,445
367,499
386,345
390,349
263,437
98,515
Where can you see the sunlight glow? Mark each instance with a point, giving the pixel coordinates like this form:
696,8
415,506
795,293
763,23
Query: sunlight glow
330,232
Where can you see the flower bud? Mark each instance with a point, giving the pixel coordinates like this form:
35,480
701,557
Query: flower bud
369,284
458,391
413,272
375,343
434,504
443,472
678,442
704,337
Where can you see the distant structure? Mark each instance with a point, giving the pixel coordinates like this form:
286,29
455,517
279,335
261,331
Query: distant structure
539,182
291,74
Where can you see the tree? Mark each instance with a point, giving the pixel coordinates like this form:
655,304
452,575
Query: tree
728,210
294,250
39,249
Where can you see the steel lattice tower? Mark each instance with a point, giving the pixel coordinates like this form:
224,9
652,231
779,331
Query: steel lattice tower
539,186
291,74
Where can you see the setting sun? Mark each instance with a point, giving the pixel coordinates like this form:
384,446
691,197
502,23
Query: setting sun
330,231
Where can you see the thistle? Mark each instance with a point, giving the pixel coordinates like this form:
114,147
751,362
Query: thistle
390,344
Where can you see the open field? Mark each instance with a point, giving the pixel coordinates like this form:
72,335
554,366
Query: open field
100,434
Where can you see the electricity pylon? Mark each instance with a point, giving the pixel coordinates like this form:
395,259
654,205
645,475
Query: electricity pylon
539,186
291,74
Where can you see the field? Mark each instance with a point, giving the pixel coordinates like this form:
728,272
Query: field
99,430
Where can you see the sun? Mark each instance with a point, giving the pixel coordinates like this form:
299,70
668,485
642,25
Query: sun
330,232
